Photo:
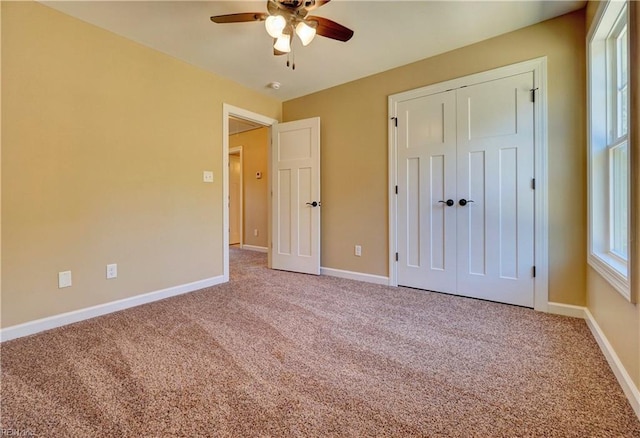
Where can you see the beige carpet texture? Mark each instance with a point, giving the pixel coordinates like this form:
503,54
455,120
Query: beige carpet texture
278,354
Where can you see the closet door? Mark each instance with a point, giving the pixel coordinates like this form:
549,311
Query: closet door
426,157
495,205
473,146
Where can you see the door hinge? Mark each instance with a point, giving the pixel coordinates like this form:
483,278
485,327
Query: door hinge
533,183
395,121
533,94
396,190
396,257
533,270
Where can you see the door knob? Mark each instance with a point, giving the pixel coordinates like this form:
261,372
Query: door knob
449,202
314,204
464,202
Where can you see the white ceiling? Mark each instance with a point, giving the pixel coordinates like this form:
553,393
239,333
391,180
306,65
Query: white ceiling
388,34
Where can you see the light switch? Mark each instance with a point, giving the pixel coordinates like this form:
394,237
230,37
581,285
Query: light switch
207,176
64,279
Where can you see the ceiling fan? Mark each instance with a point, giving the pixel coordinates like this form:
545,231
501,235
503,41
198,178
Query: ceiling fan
284,18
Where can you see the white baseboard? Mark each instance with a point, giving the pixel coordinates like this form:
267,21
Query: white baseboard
566,310
359,276
624,379
255,248
39,325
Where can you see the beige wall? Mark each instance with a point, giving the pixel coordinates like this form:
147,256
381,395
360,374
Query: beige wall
590,12
254,159
618,319
354,148
1,170
103,149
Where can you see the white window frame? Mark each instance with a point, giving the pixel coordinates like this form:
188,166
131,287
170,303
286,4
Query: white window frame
603,138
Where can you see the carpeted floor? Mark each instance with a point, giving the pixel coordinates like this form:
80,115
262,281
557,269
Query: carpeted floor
276,354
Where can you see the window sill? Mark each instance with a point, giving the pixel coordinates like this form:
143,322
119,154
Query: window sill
613,271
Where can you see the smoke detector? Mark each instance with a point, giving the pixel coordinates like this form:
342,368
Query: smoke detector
274,85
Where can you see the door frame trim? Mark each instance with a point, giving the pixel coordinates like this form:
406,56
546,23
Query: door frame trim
541,216
229,111
238,151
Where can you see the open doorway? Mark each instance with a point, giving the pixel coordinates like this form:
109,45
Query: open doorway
248,184
246,136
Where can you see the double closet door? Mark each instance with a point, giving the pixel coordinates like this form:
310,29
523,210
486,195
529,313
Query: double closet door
465,191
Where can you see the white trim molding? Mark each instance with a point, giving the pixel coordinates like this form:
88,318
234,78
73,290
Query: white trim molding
629,388
567,310
358,276
255,248
238,150
40,325
624,379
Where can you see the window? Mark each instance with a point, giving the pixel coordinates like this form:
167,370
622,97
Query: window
608,144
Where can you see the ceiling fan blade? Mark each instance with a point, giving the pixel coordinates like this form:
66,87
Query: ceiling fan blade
240,18
331,29
315,4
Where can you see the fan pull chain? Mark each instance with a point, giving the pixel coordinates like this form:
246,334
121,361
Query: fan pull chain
291,59
293,55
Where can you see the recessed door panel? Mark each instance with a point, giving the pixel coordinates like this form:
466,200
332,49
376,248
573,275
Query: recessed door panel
426,125
294,145
508,208
475,214
437,212
283,246
494,117
412,235
305,192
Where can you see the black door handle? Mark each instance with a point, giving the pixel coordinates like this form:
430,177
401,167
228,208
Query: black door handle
314,204
449,202
464,202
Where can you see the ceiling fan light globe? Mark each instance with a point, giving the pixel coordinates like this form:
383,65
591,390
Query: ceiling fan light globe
275,24
283,43
305,32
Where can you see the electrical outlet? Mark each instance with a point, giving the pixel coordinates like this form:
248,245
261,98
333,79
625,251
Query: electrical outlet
255,232
64,279
358,250
207,176
112,271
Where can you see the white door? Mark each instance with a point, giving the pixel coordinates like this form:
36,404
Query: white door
495,171
295,207
474,146
426,181
235,199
